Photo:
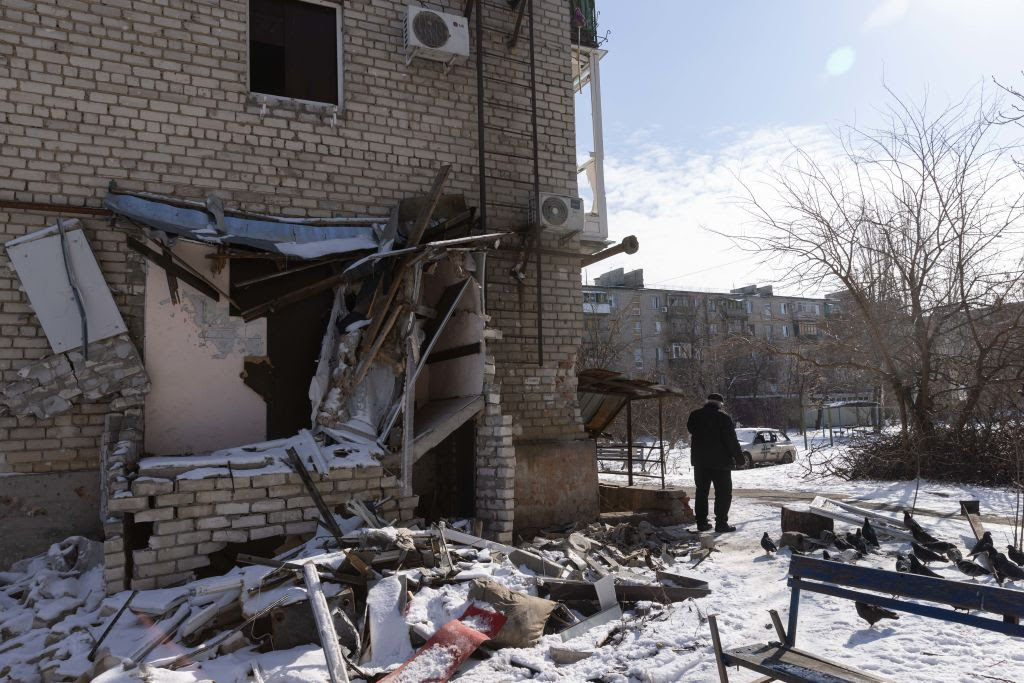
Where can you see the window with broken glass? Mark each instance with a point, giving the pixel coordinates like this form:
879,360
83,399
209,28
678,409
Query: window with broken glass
295,50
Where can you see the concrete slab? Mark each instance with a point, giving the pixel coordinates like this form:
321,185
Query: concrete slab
663,506
37,510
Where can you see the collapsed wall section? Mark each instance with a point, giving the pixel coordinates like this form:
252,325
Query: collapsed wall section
197,513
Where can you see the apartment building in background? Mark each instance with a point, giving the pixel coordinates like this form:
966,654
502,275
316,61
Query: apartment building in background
703,340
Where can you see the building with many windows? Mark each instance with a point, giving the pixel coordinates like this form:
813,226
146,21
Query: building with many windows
701,340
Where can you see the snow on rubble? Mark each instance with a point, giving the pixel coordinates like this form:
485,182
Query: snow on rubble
52,608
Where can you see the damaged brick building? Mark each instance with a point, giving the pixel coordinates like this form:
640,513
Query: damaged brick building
286,225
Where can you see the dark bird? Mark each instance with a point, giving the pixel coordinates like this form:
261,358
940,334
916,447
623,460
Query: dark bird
1008,570
869,533
902,563
940,546
874,613
917,568
1015,555
954,554
922,536
768,545
926,555
858,542
827,537
825,555
842,543
972,569
910,522
983,545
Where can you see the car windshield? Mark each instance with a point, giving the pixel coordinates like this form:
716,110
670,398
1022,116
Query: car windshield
746,435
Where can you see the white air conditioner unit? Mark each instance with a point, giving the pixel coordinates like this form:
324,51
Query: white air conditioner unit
664,309
557,213
435,35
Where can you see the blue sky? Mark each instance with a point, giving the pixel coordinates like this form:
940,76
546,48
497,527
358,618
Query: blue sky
696,93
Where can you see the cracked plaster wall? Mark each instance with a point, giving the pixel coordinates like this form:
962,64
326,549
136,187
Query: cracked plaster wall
195,354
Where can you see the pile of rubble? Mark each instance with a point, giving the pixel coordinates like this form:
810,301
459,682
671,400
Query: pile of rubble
362,600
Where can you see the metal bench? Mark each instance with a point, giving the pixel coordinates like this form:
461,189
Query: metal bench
893,590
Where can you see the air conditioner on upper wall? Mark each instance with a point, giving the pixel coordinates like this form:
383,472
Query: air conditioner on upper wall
557,213
435,35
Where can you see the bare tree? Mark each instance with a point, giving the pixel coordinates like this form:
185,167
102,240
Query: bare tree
917,224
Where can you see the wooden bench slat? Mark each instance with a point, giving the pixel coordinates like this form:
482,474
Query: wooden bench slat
964,594
794,666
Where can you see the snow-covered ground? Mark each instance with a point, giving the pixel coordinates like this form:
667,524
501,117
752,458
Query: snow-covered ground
652,643
804,475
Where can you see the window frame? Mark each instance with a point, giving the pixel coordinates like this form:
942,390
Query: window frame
338,8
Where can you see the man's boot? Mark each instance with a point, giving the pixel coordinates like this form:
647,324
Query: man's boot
703,526
723,528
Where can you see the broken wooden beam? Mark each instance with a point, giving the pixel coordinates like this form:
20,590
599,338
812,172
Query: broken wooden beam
325,513
971,509
324,625
166,261
567,589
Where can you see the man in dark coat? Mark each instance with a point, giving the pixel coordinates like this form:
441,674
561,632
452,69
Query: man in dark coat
714,451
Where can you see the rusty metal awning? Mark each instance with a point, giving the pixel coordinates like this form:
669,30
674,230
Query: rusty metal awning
603,393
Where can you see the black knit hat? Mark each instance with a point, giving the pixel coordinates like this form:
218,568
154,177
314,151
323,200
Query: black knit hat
716,397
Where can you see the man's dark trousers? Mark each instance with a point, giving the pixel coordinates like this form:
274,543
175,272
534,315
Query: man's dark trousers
703,478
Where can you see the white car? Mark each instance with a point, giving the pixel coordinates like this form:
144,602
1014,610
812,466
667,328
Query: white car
763,444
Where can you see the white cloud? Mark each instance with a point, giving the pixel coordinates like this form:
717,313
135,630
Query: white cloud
886,13
674,201
840,61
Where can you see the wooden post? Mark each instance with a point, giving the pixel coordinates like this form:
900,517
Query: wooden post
661,441
324,624
794,612
629,442
723,675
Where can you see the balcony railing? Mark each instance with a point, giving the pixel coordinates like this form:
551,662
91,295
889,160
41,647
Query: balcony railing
602,309
583,22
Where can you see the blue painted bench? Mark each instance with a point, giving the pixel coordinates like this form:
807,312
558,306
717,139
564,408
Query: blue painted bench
921,595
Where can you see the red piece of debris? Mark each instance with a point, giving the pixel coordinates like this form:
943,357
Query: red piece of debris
453,643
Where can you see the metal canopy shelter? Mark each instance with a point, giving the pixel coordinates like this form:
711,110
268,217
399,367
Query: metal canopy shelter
604,393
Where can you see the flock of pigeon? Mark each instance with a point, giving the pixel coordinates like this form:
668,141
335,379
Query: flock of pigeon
925,549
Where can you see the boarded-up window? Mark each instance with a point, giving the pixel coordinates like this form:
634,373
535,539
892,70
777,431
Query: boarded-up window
294,49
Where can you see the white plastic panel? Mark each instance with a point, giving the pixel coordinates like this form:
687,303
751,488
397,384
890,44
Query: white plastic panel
39,261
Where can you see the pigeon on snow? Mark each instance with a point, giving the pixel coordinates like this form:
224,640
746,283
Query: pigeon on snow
842,544
858,542
917,568
874,613
768,545
902,563
869,533
972,569
926,555
1005,569
1015,555
983,545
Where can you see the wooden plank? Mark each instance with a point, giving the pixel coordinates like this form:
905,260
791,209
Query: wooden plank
166,262
943,591
680,580
857,519
931,611
325,513
566,589
723,675
415,234
324,625
794,666
971,509
777,623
